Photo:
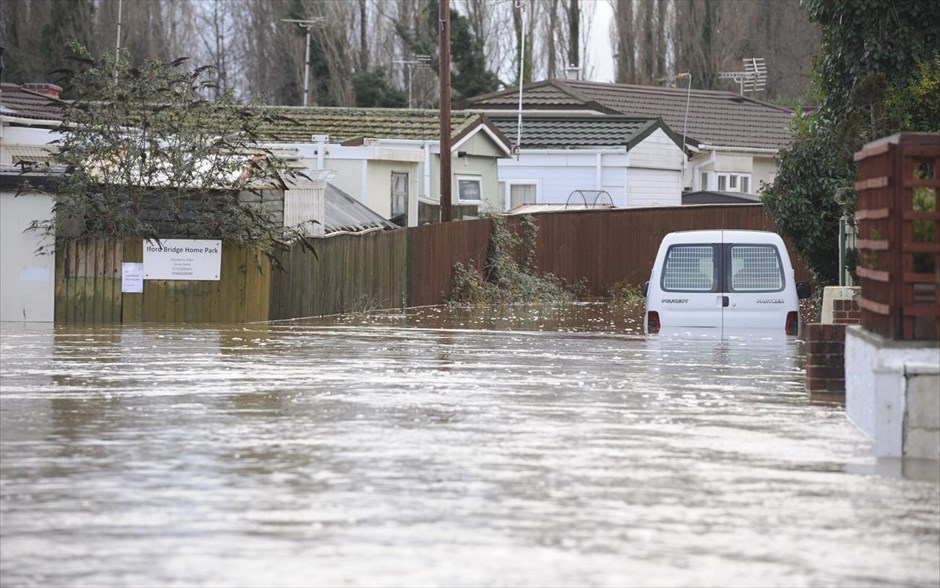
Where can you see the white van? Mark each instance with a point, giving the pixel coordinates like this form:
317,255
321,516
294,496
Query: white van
723,279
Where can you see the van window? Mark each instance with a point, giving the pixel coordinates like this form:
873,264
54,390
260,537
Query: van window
756,268
689,268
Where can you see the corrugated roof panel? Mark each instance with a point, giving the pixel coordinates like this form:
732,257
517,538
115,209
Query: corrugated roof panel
345,214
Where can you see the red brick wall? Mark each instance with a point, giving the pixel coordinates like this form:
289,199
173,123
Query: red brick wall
846,312
825,357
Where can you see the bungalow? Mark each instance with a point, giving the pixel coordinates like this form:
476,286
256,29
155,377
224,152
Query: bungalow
630,161
389,160
29,115
733,139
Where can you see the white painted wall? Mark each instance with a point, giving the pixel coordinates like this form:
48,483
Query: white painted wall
876,379
27,280
646,176
762,167
655,172
561,172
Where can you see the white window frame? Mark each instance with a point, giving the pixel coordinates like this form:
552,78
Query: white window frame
477,179
507,190
732,182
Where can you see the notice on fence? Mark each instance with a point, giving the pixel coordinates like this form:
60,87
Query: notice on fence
183,259
132,277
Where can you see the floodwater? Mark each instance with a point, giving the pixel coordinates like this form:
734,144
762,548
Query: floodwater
438,448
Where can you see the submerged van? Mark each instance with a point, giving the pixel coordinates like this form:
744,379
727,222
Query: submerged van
723,279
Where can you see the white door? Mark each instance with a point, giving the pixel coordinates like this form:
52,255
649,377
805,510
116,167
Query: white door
755,287
691,293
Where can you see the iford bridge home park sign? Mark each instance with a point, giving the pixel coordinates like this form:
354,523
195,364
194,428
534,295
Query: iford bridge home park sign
182,259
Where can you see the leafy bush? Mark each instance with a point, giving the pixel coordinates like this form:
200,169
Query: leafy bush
502,280
145,155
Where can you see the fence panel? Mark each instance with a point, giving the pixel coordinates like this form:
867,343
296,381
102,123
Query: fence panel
88,287
346,273
899,236
607,247
434,249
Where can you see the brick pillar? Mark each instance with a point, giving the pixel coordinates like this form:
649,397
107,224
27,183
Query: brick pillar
846,312
825,358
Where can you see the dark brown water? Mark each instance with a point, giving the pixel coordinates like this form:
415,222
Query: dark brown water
437,448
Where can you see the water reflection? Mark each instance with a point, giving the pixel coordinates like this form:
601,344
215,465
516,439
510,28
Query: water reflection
439,447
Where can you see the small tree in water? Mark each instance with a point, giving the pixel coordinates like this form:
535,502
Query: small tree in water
146,155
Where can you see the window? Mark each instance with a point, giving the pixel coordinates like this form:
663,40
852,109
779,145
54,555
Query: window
516,193
469,188
400,197
755,268
704,185
734,183
689,268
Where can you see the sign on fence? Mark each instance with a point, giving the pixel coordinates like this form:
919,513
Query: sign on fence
132,277
182,259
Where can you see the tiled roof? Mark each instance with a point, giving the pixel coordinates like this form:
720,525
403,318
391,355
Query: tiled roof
563,132
23,103
299,124
714,118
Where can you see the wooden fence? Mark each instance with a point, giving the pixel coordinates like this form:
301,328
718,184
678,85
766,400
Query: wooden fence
606,247
899,236
343,274
392,269
88,288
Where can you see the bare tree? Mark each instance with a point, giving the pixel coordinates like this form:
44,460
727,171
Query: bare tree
625,55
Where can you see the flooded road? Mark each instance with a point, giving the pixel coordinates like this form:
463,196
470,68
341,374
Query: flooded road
440,448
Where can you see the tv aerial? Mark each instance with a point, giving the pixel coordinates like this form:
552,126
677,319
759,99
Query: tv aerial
752,79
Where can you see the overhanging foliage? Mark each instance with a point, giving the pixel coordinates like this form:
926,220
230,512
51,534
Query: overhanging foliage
146,155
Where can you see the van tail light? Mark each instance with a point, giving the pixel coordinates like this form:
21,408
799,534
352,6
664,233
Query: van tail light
793,322
652,321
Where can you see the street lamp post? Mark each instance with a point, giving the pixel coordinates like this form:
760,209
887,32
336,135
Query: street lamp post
308,25
419,61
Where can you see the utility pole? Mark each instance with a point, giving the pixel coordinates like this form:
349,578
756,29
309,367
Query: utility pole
117,50
574,28
308,25
445,111
419,61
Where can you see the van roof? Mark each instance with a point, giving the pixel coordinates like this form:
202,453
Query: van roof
722,235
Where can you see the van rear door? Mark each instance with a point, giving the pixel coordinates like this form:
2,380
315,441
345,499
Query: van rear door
690,284
756,286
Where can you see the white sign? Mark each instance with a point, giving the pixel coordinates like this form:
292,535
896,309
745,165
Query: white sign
132,277
182,259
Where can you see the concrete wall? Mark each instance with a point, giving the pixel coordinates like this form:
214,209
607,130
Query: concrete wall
27,280
890,390
922,417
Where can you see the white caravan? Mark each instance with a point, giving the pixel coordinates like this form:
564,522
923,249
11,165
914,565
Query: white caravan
723,279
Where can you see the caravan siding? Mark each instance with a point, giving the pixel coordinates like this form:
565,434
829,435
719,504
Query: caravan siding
655,174
658,151
561,173
27,279
648,187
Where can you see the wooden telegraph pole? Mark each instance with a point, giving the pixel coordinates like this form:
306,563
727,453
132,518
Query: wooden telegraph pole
445,111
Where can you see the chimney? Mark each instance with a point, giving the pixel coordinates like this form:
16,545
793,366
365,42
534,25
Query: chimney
50,90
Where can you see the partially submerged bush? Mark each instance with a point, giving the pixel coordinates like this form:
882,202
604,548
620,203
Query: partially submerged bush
502,280
626,293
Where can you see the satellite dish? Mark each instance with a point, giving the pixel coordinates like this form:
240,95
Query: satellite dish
752,79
